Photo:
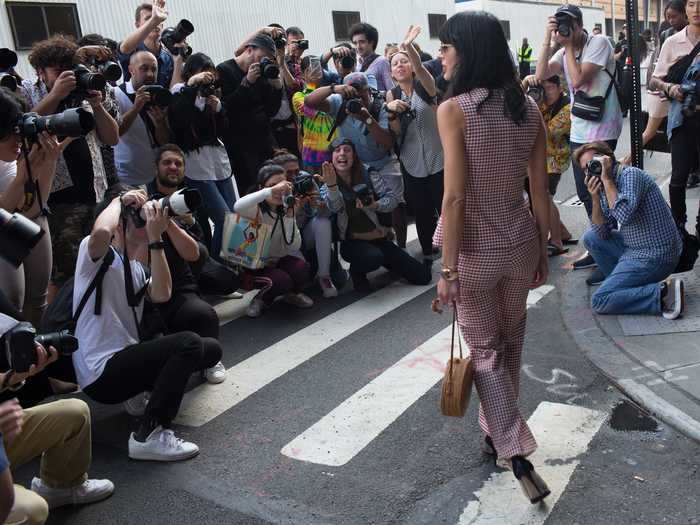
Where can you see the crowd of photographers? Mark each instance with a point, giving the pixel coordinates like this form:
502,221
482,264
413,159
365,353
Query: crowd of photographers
122,163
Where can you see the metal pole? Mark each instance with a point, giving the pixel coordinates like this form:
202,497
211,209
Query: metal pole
632,13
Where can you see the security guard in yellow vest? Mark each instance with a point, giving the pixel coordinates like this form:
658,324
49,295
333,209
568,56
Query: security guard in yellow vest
524,58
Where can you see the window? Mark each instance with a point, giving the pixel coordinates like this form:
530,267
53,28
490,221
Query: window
33,21
342,22
505,24
435,23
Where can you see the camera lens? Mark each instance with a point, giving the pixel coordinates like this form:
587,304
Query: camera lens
18,235
347,62
8,81
354,105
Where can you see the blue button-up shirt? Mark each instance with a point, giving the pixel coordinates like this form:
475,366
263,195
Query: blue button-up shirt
675,113
166,64
644,218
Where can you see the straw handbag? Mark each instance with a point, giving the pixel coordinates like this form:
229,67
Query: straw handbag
457,383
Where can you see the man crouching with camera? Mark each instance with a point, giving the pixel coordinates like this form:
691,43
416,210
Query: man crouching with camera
637,258
110,345
58,432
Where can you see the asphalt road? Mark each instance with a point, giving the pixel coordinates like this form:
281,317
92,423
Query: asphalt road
417,467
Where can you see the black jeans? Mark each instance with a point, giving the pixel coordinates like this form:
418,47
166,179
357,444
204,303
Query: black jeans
162,366
424,195
685,148
367,256
580,176
190,310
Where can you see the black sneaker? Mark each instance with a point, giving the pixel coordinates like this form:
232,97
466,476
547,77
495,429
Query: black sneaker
693,180
585,262
595,278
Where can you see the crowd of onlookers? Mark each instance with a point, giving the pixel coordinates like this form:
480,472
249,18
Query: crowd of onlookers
289,161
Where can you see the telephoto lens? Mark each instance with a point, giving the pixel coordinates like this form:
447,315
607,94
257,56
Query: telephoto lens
63,341
182,202
110,70
176,35
563,24
18,235
86,80
74,122
303,44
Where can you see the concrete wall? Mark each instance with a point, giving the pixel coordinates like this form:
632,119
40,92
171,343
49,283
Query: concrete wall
221,24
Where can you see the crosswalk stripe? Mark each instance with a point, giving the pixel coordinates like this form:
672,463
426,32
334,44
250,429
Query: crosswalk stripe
563,433
206,402
344,432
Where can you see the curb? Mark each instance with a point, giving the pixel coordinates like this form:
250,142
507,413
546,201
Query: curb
602,352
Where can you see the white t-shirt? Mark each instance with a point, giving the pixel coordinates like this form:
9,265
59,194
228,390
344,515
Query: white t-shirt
134,156
8,171
597,50
102,336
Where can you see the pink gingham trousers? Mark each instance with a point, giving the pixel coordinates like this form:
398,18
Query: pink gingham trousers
492,314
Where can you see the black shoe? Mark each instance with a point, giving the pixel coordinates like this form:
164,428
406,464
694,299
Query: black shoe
595,278
360,282
488,448
533,485
585,262
693,180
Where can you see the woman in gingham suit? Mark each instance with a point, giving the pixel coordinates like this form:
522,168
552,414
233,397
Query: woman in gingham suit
493,249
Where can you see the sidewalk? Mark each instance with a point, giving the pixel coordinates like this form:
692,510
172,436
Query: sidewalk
653,361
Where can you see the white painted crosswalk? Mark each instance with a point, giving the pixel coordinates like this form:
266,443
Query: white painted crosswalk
350,427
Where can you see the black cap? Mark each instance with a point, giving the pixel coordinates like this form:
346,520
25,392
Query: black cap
263,42
573,11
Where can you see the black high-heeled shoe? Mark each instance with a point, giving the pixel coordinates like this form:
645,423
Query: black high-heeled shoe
533,485
488,448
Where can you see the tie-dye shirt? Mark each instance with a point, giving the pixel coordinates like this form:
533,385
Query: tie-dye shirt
315,125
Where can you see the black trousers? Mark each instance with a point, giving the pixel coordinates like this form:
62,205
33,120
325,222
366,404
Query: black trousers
424,195
685,148
367,256
190,310
162,366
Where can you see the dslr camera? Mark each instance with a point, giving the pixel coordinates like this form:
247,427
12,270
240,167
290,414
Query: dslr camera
536,93
8,60
8,81
280,42
86,80
111,71
564,27
21,341
269,69
303,185
74,122
18,235
159,96
177,35
363,193
691,97
594,167
347,61
182,202
303,45
207,90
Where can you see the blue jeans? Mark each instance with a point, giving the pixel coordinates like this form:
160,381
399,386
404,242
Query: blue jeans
579,177
217,198
631,286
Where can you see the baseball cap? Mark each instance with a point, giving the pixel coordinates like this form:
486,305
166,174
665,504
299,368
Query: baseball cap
356,79
571,10
263,42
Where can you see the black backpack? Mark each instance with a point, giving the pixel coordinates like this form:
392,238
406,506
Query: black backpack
59,314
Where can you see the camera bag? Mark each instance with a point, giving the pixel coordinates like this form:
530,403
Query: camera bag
59,314
677,71
591,108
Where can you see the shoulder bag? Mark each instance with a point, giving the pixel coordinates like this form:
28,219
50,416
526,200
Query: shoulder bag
459,376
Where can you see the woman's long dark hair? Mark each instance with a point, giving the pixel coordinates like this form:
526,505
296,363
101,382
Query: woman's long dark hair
485,60
196,63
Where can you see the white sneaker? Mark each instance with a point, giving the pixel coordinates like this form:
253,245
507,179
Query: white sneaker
90,491
674,301
136,406
216,374
255,307
161,445
327,287
299,300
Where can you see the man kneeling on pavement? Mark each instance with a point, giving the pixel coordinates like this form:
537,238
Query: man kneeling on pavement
633,238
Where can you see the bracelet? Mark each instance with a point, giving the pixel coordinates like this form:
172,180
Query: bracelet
331,185
156,245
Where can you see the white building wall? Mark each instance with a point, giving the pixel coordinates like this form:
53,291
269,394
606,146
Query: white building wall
528,19
220,25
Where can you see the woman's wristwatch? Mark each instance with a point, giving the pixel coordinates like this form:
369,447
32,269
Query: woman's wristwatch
449,274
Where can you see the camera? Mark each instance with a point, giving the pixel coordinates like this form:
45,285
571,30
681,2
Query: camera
346,61
8,81
303,45
536,93
111,71
8,59
354,105
20,345
74,122
594,167
176,35
303,184
269,69
564,27
182,202
18,235
691,97
206,90
86,80
280,42
159,96
363,193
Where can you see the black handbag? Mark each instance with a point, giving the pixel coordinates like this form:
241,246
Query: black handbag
591,108
677,71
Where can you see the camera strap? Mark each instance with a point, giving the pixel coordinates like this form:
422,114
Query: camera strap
95,286
368,62
31,187
132,298
279,219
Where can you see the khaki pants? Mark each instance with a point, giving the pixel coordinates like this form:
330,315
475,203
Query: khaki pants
60,433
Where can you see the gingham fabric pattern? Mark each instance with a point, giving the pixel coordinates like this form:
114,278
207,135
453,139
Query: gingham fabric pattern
497,260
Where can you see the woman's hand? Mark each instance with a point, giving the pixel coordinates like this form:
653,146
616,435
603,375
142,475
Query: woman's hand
398,106
328,174
447,294
542,271
205,77
411,35
281,189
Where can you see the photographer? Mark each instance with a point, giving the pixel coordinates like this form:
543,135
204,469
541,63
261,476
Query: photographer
80,180
588,63
357,197
197,120
58,432
412,105
643,250
555,107
365,38
144,124
677,67
285,275
149,21
182,250
344,61
110,344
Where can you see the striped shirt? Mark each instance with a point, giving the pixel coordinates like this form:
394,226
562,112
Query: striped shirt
315,125
645,221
